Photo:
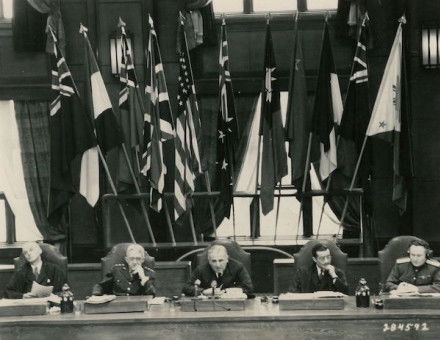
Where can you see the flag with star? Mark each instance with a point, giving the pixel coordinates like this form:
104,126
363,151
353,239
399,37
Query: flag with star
385,122
158,124
131,113
326,111
274,157
226,126
71,135
187,155
298,126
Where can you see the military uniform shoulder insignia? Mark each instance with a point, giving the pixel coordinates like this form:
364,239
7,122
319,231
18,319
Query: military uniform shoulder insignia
433,263
119,266
403,260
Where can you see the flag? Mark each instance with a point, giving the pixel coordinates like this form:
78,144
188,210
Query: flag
71,135
298,120
226,127
324,115
158,124
385,122
187,155
130,112
107,128
298,127
274,157
356,112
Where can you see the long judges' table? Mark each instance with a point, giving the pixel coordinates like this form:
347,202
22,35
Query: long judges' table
258,321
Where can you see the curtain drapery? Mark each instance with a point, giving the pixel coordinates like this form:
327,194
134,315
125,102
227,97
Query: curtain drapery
54,20
33,127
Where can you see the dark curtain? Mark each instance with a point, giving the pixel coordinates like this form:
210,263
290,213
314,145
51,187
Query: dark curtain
33,127
245,106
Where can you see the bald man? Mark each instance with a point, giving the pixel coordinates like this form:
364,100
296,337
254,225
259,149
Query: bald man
220,271
34,270
131,277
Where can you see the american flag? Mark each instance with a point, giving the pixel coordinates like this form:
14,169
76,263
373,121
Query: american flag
187,159
71,133
158,126
226,127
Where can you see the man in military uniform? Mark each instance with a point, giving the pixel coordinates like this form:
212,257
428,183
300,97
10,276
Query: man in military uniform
416,273
219,273
130,277
34,270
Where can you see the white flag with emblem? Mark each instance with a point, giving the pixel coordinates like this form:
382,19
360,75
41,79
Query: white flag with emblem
386,112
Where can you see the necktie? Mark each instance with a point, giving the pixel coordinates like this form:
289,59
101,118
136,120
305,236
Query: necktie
36,272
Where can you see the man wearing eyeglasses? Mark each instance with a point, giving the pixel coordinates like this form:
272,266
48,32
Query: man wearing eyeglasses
131,277
322,275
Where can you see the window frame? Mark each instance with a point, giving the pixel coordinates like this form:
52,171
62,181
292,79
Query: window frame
248,8
2,14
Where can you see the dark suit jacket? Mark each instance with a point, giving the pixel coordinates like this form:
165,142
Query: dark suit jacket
120,282
307,281
235,275
21,281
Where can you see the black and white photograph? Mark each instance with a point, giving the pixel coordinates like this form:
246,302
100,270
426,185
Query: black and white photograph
219,169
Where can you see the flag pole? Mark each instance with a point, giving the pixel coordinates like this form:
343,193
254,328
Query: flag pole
121,25
138,191
303,188
254,213
101,156
211,206
233,205
344,211
112,185
278,213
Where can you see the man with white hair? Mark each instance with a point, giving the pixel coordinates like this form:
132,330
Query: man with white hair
34,270
219,273
131,277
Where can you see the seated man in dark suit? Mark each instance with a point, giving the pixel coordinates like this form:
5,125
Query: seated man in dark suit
416,273
128,277
219,273
34,270
322,275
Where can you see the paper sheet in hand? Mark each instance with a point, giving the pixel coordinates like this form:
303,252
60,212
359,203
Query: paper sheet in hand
40,290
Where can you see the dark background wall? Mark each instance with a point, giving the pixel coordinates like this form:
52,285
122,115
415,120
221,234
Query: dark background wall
24,75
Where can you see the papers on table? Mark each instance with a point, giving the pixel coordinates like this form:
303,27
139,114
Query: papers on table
96,300
397,294
233,293
315,295
158,300
40,290
22,302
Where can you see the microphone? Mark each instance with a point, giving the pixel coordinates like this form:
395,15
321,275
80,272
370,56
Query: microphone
196,284
213,286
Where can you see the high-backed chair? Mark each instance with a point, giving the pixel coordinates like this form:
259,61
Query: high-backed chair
234,252
117,255
395,248
50,254
303,258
